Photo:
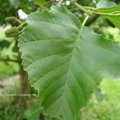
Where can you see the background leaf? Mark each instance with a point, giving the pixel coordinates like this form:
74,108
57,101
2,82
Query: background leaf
114,19
105,4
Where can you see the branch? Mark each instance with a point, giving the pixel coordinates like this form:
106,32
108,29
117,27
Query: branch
8,60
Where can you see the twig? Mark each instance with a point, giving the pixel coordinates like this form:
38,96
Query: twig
106,14
82,8
50,1
90,8
8,60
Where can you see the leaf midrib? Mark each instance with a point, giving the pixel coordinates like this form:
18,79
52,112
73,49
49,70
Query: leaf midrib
77,39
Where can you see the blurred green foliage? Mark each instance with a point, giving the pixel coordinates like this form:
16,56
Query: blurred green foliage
106,109
109,107
7,69
6,10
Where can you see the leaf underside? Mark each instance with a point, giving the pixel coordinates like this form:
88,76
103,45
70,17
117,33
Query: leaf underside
63,63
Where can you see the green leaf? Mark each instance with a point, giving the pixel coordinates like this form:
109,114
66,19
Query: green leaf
115,10
115,20
105,4
109,10
64,63
33,113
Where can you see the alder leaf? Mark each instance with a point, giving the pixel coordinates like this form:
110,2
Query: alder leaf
64,63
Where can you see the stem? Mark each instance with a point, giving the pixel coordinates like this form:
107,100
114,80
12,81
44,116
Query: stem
90,8
106,14
82,8
21,26
85,20
42,7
